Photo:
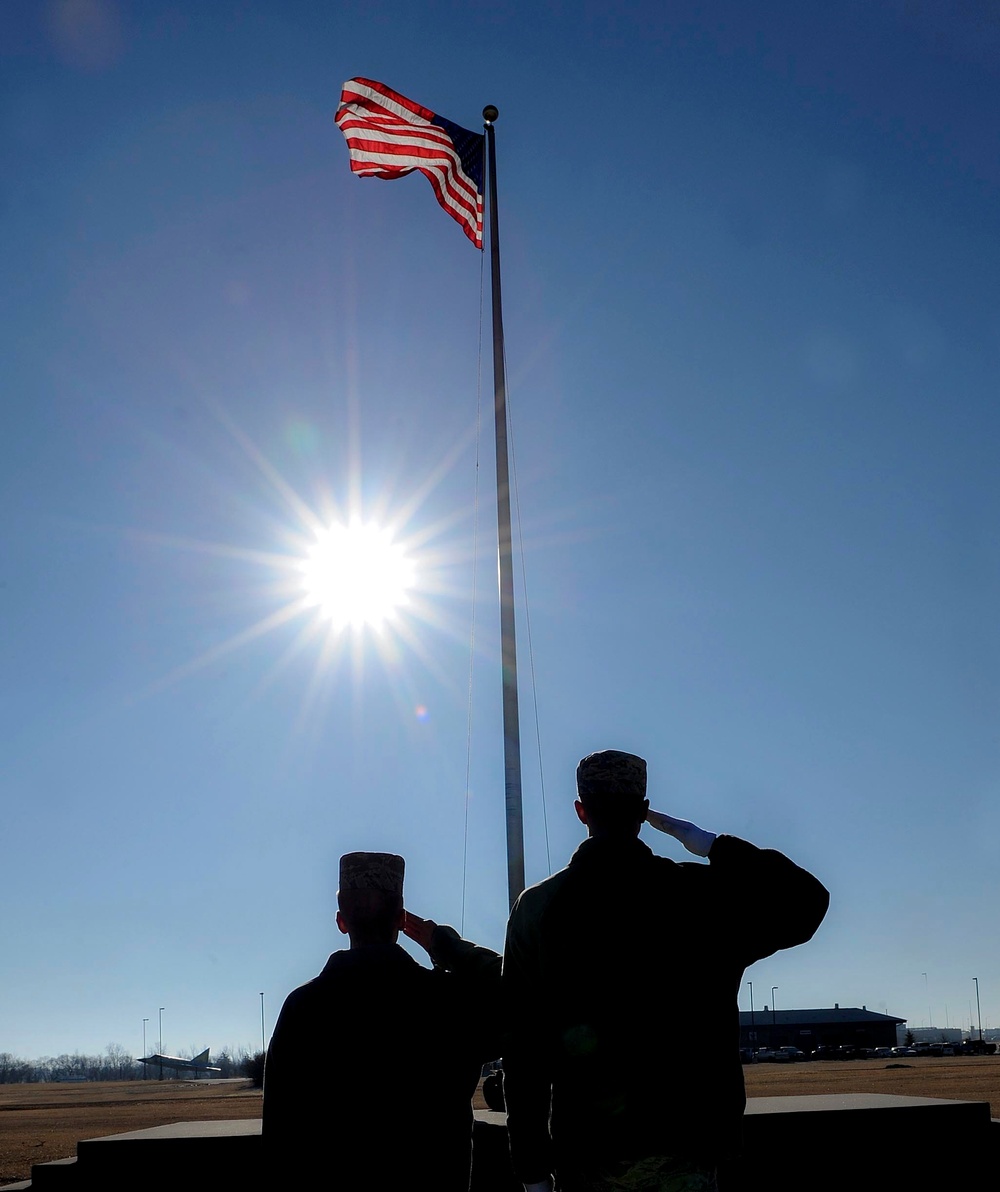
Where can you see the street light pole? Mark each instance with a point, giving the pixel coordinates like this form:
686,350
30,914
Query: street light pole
979,1013
773,988
263,1044
753,1024
160,1047
144,1021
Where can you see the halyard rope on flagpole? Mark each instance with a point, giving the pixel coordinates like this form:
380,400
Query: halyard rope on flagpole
527,626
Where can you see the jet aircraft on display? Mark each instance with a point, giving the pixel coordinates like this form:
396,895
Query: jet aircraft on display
176,1064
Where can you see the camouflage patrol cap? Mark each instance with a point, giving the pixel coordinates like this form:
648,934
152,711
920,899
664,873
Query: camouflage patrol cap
611,773
372,871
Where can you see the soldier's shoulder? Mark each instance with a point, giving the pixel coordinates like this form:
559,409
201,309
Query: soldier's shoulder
534,898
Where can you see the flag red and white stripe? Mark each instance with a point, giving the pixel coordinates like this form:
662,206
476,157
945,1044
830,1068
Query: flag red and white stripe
389,136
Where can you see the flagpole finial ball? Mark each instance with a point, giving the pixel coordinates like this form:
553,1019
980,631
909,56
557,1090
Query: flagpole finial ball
490,113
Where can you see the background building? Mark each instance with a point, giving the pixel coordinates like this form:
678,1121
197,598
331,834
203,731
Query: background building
938,1034
809,1029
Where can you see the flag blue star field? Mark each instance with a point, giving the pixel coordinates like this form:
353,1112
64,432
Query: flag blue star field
389,136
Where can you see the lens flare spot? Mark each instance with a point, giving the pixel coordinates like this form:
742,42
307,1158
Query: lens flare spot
302,436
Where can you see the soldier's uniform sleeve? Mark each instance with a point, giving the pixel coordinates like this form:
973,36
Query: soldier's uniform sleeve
478,970
470,961
527,1080
788,903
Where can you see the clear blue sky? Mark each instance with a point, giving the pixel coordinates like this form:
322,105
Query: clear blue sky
751,263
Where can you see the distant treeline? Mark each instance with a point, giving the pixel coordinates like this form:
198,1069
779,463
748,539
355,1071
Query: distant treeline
115,1064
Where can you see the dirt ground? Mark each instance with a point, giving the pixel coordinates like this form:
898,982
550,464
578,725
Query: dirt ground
39,1122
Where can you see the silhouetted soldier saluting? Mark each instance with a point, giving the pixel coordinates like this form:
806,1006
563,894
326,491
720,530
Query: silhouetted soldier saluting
344,1041
621,974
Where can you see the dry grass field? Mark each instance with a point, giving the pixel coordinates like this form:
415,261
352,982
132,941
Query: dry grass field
963,1078
39,1122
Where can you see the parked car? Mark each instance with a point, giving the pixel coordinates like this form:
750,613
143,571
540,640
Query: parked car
791,1054
929,1049
978,1047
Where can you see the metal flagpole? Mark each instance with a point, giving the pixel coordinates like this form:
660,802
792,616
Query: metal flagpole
508,648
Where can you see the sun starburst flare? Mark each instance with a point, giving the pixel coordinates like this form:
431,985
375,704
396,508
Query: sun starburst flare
356,575
343,585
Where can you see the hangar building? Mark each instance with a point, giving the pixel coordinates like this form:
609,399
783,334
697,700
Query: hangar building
809,1029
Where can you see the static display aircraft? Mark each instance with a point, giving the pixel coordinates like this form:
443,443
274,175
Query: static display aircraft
176,1064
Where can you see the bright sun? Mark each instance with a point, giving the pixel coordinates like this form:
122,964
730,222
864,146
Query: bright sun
356,575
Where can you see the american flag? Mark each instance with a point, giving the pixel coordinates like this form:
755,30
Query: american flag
389,136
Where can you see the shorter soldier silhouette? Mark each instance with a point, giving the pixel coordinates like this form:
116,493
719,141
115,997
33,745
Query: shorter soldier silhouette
344,1040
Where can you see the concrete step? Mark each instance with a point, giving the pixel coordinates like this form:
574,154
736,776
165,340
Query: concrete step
58,1173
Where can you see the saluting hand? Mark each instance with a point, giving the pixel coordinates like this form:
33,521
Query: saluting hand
419,930
696,840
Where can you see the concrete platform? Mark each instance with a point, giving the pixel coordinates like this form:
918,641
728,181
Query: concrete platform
854,1142
188,1155
859,1141
860,1103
